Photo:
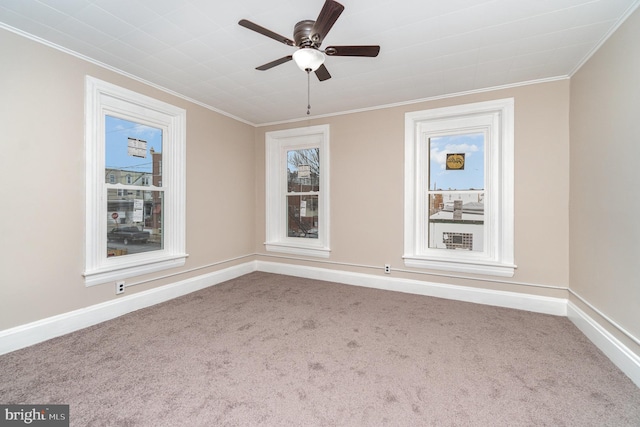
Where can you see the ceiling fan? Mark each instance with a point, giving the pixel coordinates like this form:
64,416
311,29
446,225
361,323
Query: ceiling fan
307,37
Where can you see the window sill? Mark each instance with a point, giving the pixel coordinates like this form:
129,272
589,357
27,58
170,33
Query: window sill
319,252
486,268
113,273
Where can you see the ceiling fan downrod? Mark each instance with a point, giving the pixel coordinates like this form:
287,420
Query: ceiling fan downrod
308,70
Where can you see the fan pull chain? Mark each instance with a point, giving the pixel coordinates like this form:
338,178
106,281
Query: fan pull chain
308,91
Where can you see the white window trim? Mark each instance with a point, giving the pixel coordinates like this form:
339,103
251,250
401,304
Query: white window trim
496,119
101,99
277,144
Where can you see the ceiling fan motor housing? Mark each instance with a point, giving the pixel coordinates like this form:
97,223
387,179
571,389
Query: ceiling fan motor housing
302,34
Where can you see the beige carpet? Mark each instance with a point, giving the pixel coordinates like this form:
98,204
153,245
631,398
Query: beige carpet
273,350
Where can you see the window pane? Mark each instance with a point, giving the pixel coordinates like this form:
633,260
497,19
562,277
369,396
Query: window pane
133,152
302,218
134,224
456,221
456,162
303,170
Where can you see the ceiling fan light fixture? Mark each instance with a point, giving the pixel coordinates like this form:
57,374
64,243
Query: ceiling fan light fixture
308,58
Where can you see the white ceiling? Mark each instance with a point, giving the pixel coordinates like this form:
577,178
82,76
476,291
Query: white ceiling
429,48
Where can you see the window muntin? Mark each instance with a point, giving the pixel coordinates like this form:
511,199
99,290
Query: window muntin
138,195
297,211
442,208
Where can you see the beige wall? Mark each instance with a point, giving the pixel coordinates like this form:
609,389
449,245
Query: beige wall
42,190
367,178
605,179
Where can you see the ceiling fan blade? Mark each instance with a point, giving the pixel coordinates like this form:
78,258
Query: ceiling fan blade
322,73
328,16
370,51
274,63
258,29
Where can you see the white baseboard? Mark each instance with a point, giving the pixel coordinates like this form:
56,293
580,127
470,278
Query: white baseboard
538,304
51,327
621,356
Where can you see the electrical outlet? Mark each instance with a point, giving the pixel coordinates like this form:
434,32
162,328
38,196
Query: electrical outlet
120,287
387,268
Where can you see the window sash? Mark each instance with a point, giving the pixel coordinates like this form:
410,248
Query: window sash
285,237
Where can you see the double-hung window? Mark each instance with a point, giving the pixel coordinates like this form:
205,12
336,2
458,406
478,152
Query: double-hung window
135,212
297,191
459,188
